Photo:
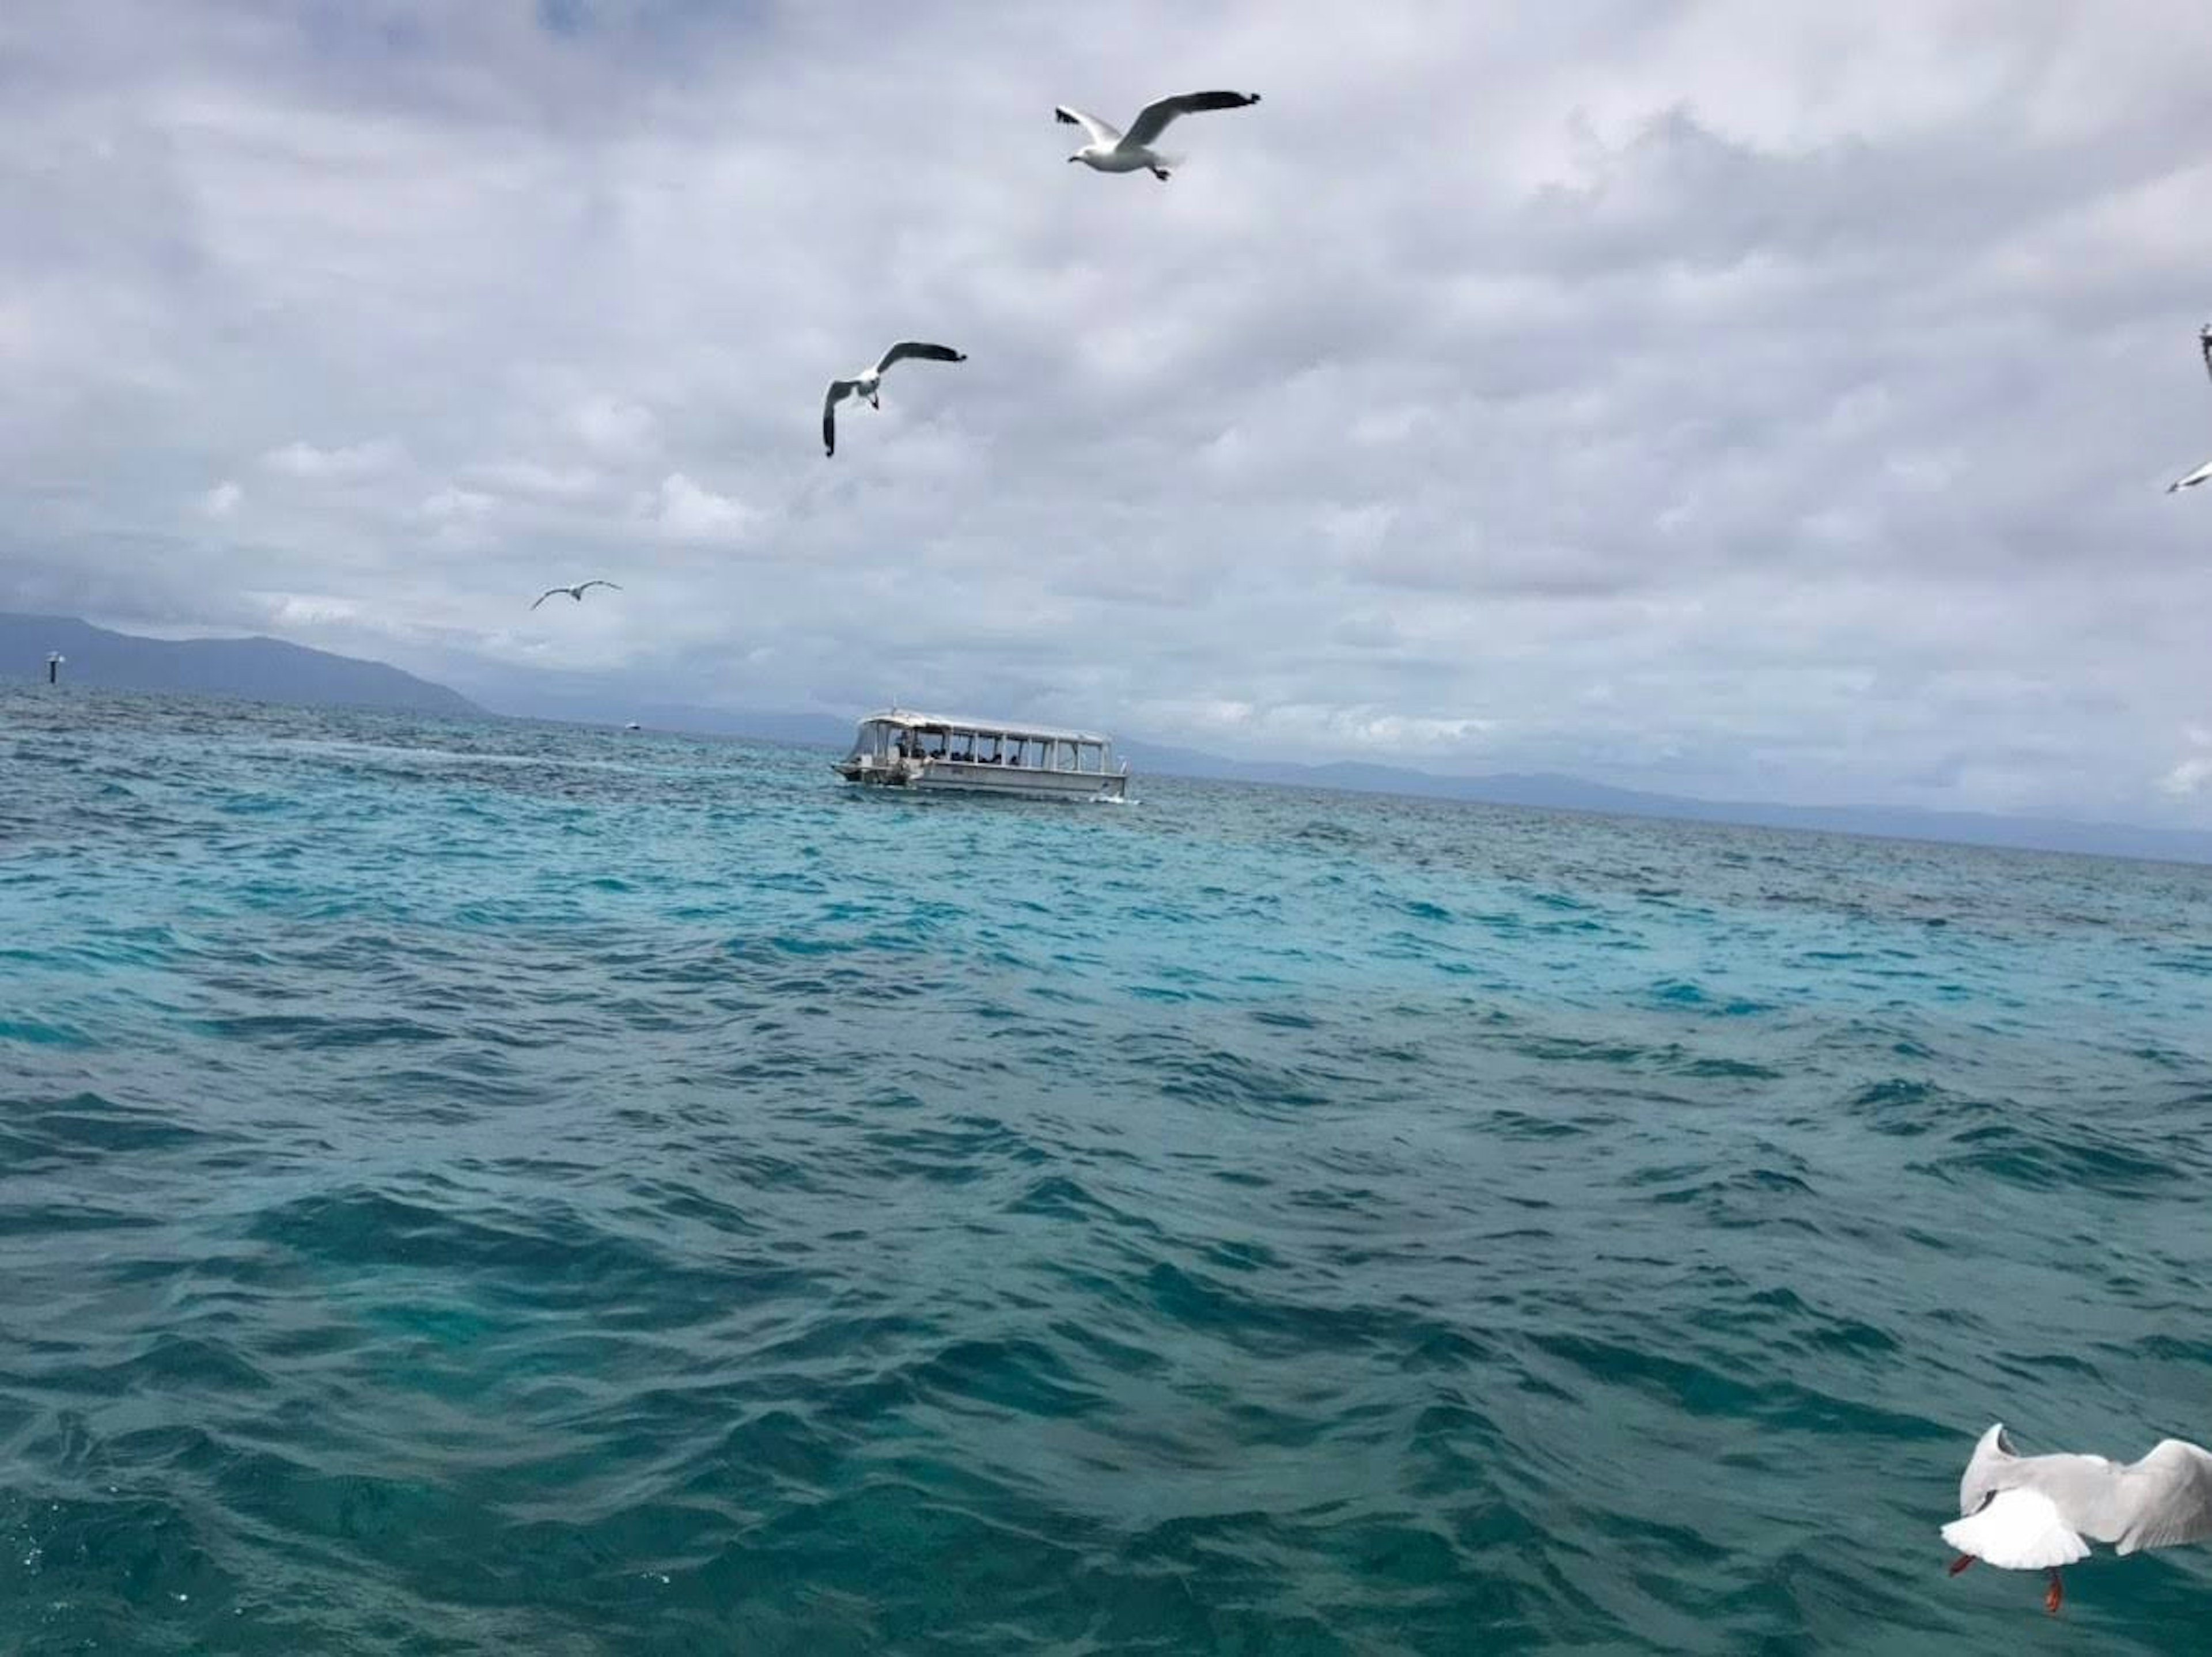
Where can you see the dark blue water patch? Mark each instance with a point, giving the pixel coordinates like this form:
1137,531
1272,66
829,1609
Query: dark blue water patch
2049,1159
37,1136
1702,1389
321,1030
1677,1060
38,1034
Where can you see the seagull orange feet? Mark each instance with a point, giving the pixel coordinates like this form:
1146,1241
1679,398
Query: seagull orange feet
1961,1563
2053,1594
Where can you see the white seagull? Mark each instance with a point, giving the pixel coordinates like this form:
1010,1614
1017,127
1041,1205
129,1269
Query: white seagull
2203,473
869,382
1113,151
575,591
2039,1512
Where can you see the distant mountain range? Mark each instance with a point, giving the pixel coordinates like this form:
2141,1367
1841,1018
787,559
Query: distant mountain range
259,669
1557,793
268,669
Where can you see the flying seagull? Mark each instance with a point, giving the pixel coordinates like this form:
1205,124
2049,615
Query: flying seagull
869,382
2039,1512
2203,473
1113,151
575,591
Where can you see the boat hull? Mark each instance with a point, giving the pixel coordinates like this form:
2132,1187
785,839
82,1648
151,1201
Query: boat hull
936,776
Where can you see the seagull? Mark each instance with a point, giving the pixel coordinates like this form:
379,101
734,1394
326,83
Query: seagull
575,591
2203,473
869,382
1113,151
2039,1512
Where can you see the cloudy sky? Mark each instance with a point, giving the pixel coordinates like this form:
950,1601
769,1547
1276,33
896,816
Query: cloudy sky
1744,399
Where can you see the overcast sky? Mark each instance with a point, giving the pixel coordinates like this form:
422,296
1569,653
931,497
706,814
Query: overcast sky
1748,400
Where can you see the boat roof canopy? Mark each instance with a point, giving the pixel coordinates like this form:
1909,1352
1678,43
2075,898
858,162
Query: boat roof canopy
908,719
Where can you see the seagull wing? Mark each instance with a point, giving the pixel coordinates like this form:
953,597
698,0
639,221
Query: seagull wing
916,348
2194,478
596,583
1153,120
2204,344
2166,1497
543,595
838,391
2017,1530
1103,136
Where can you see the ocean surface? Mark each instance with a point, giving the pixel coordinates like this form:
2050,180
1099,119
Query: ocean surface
498,1188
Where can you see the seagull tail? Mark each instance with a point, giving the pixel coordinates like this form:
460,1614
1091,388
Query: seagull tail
2017,1530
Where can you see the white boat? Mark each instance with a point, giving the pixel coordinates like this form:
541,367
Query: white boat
899,749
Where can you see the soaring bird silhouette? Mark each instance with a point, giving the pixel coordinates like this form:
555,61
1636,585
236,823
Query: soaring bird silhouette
575,591
869,382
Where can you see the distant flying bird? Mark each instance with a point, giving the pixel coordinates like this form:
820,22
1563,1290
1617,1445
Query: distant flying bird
869,382
575,591
1113,151
2203,473
2039,1512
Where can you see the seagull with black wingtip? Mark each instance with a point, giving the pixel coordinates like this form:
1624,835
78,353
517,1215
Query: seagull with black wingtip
868,382
1111,150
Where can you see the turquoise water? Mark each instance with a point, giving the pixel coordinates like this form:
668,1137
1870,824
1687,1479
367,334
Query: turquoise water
496,1188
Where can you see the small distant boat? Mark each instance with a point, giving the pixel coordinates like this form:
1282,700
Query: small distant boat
896,749
633,726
